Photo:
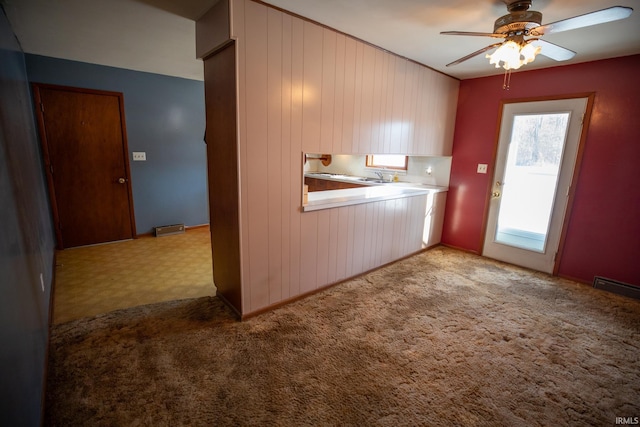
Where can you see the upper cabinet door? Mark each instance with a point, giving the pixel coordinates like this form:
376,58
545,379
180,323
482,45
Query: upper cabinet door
435,113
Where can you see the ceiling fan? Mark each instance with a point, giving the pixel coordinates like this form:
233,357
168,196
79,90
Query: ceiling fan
521,30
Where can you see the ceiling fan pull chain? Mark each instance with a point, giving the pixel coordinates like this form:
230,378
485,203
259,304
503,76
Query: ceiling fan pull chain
507,80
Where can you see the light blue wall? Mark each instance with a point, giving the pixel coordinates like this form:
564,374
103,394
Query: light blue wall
26,245
165,117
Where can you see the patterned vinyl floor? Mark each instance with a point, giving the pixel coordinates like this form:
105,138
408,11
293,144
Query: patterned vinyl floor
92,280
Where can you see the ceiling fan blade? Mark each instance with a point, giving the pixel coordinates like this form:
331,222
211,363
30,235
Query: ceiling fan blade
471,55
599,17
469,33
553,51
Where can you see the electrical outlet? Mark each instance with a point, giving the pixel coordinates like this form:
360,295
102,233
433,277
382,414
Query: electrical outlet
139,156
428,170
482,168
42,282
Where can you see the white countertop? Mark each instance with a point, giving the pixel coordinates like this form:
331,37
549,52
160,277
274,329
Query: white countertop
372,193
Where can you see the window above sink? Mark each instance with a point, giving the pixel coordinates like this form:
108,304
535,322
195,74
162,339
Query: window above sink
388,161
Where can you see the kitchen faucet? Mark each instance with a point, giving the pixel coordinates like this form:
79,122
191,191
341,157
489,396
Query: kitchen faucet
380,175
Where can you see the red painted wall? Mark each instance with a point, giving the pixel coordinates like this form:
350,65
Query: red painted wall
603,236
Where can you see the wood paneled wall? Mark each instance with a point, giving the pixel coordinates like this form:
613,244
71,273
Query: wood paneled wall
306,88
353,98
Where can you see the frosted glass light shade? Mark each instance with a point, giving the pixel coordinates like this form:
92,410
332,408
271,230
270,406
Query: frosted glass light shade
511,55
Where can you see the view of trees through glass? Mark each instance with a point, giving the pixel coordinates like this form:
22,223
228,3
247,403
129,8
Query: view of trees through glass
530,179
540,139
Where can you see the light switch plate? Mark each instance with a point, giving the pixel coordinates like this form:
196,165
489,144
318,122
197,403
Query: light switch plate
139,156
482,168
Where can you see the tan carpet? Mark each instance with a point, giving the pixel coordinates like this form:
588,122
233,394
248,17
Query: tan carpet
442,338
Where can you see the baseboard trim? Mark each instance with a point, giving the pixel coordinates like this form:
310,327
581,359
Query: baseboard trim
469,251
45,370
186,228
228,304
325,287
195,227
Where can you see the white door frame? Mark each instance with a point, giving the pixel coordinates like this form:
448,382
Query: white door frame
516,255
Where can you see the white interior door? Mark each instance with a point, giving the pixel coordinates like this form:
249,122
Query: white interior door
537,150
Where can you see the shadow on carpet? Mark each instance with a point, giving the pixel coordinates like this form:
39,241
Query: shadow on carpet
441,338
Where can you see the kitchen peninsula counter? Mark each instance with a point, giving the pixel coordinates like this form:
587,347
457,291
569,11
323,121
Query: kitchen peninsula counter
318,200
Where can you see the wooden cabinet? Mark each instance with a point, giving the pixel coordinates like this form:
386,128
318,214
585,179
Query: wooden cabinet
358,99
355,99
318,184
434,219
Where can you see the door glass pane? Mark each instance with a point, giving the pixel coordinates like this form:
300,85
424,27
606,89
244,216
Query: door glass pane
530,179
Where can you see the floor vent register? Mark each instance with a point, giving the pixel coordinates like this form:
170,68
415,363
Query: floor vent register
616,287
168,230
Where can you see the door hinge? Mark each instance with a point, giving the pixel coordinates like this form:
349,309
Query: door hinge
555,256
42,107
568,190
51,169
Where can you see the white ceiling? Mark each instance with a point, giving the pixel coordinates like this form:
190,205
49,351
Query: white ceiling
159,35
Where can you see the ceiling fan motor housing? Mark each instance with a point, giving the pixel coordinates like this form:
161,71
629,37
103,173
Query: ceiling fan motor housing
517,5
517,22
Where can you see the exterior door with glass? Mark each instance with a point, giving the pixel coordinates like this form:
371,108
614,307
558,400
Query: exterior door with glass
537,151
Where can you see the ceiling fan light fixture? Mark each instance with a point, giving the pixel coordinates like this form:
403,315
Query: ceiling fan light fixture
512,55
515,51
529,52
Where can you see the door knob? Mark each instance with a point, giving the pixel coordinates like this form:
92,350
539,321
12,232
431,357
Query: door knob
122,180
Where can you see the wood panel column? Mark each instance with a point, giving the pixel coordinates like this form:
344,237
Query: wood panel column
222,165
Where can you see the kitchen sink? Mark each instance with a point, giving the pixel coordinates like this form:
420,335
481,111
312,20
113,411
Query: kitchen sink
342,177
376,180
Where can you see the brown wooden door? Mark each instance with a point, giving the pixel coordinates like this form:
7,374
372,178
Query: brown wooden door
86,158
